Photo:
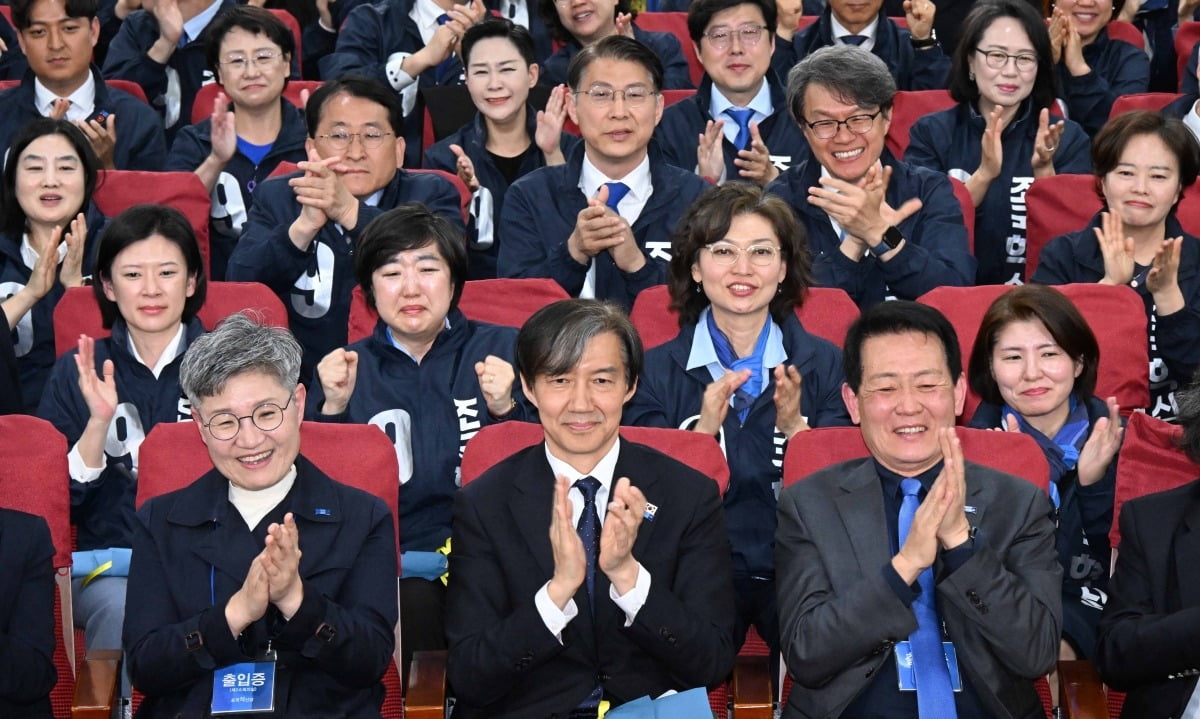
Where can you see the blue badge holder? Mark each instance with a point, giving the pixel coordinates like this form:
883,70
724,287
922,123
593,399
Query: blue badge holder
245,687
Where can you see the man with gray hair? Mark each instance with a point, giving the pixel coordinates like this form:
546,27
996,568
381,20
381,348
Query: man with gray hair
218,585
630,593
877,227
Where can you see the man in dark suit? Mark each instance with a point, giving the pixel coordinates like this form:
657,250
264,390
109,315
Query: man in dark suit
1149,635
26,616
537,624
885,563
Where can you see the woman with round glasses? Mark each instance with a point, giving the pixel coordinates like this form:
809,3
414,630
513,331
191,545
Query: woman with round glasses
1034,364
252,128
1144,163
106,396
1093,68
1000,137
742,369
48,230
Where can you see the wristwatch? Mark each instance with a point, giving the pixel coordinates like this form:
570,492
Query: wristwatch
926,43
892,238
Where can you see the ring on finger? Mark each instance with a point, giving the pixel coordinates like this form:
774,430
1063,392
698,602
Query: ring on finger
1050,148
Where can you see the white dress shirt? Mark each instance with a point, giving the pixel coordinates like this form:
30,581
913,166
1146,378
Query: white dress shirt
868,32
630,207
83,100
424,14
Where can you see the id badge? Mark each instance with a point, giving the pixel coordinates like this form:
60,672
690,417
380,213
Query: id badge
907,675
245,687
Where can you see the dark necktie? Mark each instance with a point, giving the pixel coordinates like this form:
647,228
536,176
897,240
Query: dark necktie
616,191
443,66
742,118
935,696
589,531
855,40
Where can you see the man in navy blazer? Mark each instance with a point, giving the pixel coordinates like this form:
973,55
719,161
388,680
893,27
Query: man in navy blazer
862,597
218,578
600,225
532,630
27,617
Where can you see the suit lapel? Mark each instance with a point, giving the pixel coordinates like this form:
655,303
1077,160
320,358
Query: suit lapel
862,512
531,504
1187,557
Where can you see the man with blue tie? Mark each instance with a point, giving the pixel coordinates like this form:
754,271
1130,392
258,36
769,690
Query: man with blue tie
600,225
912,583
630,593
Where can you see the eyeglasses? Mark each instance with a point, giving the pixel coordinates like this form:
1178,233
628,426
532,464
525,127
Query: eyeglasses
604,96
828,129
340,140
721,37
996,60
727,253
226,425
262,59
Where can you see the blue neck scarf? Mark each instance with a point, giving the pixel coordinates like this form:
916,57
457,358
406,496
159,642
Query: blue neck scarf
745,395
1062,451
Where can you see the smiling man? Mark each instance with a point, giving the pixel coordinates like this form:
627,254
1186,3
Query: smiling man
739,111
912,563
300,237
57,37
600,225
877,227
537,624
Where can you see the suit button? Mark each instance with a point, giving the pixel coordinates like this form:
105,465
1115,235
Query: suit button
666,635
974,597
603,677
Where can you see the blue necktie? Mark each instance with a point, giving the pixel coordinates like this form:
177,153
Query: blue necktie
616,190
443,66
184,39
854,40
742,118
589,531
935,696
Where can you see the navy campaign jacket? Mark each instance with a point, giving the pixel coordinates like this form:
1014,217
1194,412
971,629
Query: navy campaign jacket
27,618
1118,68
676,75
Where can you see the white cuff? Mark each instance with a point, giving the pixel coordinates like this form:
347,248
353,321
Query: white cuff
401,81
555,619
632,601
326,28
79,470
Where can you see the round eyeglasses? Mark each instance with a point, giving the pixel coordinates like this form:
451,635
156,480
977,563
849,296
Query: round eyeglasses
997,59
267,416
721,37
727,253
371,139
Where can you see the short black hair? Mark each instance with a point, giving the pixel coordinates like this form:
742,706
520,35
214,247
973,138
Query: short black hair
134,225
74,8
898,317
553,340
1045,84
615,47
500,27
354,86
252,19
409,226
549,12
700,14
1111,140
10,205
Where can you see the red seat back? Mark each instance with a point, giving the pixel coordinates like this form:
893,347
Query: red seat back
1185,39
908,107
128,86
1126,32
676,24
77,314
1150,461
967,205
497,442
118,190
1055,206
202,106
1152,101
293,27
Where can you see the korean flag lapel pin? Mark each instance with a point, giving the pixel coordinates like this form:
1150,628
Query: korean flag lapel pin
649,512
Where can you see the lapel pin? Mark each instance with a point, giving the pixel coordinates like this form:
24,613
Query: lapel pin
322,512
651,510
969,509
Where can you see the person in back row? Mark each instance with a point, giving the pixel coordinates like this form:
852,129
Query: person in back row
600,225
300,237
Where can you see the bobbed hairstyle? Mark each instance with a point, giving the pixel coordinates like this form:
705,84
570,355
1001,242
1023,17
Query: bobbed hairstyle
499,27
74,8
962,86
893,318
849,73
549,12
553,340
615,47
239,345
409,226
134,225
355,86
10,205
1060,317
707,221
700,13
252,19
1111,140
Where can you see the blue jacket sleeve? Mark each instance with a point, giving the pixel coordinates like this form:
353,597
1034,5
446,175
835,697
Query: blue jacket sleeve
360,48
525,251
127,58
1090,96
1056,264
264,252
922,146
1074,154
188,151
931,68
676,75
936,252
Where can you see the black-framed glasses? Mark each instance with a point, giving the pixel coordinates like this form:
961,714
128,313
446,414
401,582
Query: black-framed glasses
721,37
724,252
858,124
267,416
997,59
605,96
340,140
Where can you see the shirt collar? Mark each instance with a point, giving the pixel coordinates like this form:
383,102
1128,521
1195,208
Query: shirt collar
761,104
426,13
840,32
1192,120
195,27
84,98
603,471
704,354
891,480
30,256
638,179
169,353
